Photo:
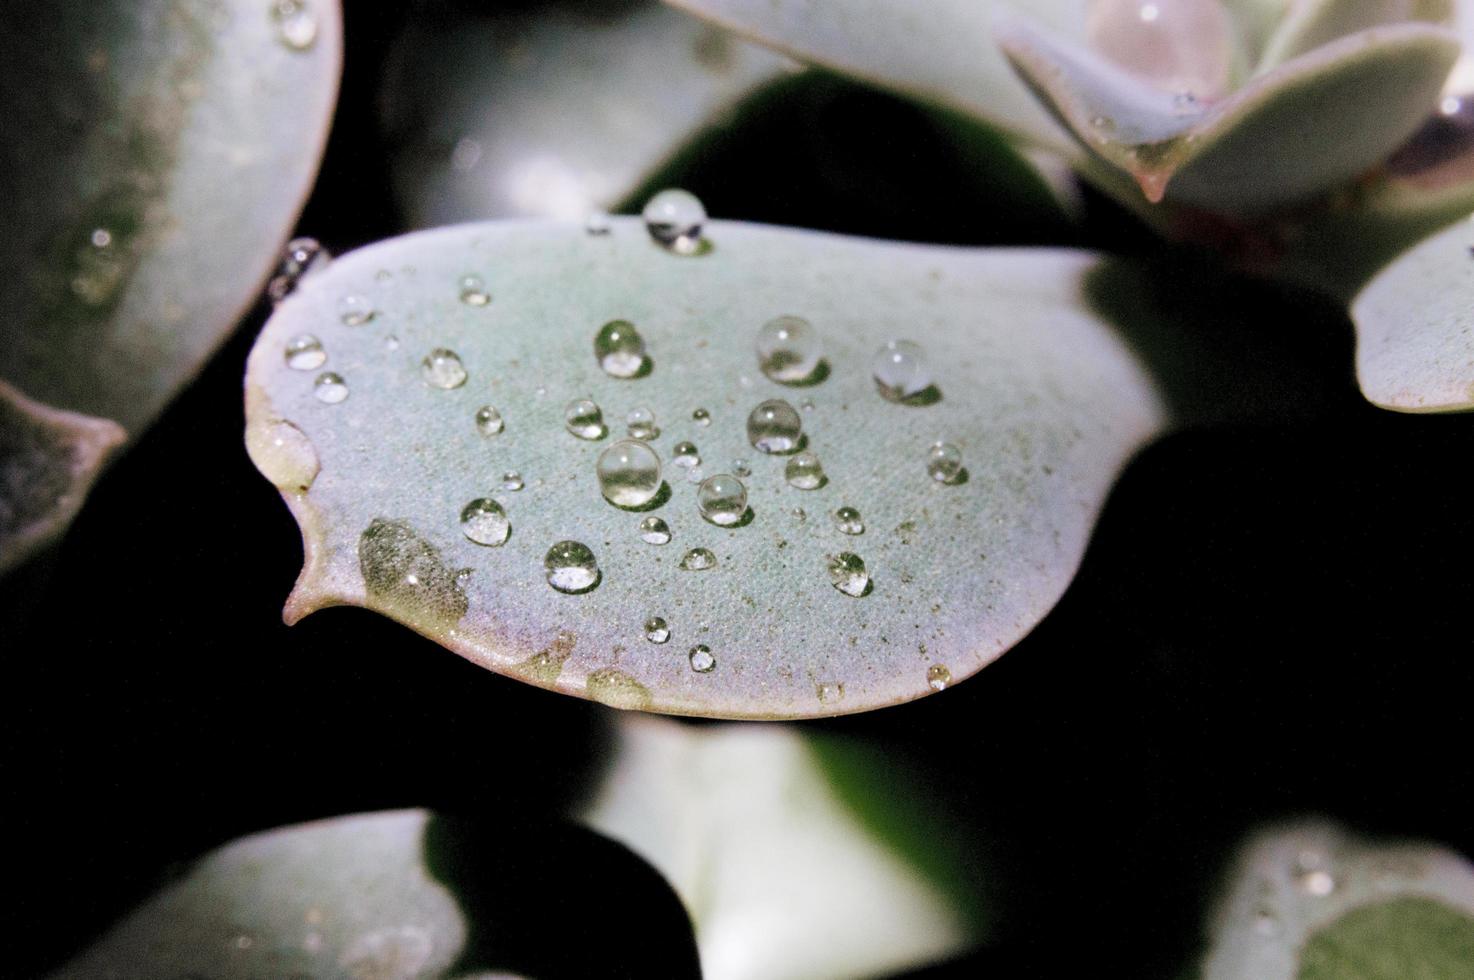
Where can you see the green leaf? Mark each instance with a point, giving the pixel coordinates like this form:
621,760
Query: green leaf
1307,26
162,153
1043,397
1309,902
1415,327
559,112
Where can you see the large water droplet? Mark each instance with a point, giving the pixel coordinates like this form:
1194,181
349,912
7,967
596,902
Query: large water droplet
804,472
722,499
674,219
442,368
355,311
489,420
584,418
701,659
473,291
296,24
685,454
302,257
701,417
938,677
944,462
847,573
654,530
698,560
284,454
1174,45
571,567
657,630
774,427
512,480
788,349
641,422
901,370
330,388
848,520
484,521
629,473
619,349
304,353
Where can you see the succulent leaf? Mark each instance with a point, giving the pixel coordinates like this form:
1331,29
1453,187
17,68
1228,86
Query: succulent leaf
1307,26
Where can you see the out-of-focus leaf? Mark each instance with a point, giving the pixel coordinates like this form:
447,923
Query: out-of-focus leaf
1308,25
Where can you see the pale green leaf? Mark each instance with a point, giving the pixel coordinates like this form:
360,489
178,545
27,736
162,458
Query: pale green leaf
1308,25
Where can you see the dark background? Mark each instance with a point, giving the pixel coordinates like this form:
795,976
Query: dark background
1272,620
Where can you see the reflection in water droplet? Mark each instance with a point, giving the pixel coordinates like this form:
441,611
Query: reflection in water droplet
774,427
847,573
512,480
901,370
584,419
629,473
598,223
1173,45
848,520
301,258
674,219
304,353
656,630
571,567
788,349
442,369
641,422
485,522
829,691
619,349
938,677
489,420
741,468
473,291
283,454
296,24
685,454
698,560
330,388
804,472
722,499
654,530
944,462
355,311
701,417
701,659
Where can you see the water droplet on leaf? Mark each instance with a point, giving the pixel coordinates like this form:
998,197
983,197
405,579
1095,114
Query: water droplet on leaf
944,462
701,659
571,567
489,420
304,353
847,573
938,677
701,417
901,370
629,473
512,480
584,418
698,560
641,422
740,468
301,258
674,219
597,223
473,291
722,499
484,521
685,454
296,24
848,520
804,472
330,388
788,349
355,311
656,630
619,349
654,530
442,369
774,427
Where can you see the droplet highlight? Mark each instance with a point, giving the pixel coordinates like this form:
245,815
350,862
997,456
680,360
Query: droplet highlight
619,349
641,422
301,258
674,219
512,480
473,291
657,630
571,567
489,421
355,311
901,370
685,454
722,499
442,368
847,573
654,530
330,388
629,473
848,520
698,560
701,417
484,521
944,462
584,418
701,659
788,349
804,472
774,427
304,353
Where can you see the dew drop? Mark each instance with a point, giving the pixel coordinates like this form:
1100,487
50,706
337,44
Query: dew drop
698,560
473,291
304,353
804,472
847,573
484,521
442,369
296,24
829,692
740,468
695,474
301,258
685,454
944,462
355,311
512,480
619,349
489,420
788,349
674,219
654,530
1313,875
598,223
774,427
657,630
629,473
901,370
848,520
1173,45
330,388
799,514
938,677
722,499
701,417
641,422
701,659
391,342
584,418
571,567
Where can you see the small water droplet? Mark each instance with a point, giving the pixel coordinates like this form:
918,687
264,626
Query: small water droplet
473,291
807,405
657,630
619,349
938,677
788,349
296,24
722,499
330,388
674,219
800,514
355,311
654,530
695,474
848,520
774,427
701,659
598,223
740,468
685,454
540,390
301,258
901,370
1266,923
829,692
629,473
641,422
847,573
944,462
304,353
584,418
391,342
512,480
804,472
485,521
1312,873
571,567
489,421
698,560
701,417
442,368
